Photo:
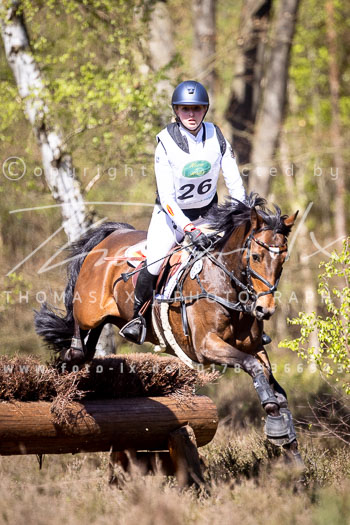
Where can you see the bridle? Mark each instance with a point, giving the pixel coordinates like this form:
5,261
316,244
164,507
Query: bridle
249,271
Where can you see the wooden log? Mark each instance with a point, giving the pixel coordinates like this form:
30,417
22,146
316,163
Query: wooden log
139,423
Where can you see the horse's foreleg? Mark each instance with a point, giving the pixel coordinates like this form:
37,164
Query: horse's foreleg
279,426
217,351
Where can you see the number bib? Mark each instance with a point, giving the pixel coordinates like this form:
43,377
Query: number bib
196,173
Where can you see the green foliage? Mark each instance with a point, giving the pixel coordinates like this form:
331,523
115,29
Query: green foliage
309,70
332,355
92,60
13,285
306,138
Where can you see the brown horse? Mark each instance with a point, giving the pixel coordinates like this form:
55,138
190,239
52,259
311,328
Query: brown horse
216,316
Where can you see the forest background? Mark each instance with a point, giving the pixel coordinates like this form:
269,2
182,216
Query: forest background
106,71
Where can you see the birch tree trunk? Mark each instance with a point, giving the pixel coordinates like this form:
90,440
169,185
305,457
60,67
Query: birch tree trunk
57,164
204,44
271,113
336,135
246,88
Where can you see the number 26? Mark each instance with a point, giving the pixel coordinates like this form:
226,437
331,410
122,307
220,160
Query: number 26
203,188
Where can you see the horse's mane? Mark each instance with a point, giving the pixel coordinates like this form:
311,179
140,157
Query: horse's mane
227,217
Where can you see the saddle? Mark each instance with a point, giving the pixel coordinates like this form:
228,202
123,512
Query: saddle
136,255
169,269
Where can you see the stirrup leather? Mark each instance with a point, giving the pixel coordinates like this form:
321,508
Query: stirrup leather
139,323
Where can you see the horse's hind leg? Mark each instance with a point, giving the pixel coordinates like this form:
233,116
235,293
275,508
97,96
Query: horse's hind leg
79,351
76,352
92,341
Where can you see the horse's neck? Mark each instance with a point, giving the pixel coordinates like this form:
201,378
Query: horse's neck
232,252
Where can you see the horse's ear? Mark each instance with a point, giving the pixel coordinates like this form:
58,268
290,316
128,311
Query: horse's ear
256,220
289,221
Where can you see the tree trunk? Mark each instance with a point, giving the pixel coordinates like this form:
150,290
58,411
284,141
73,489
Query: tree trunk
336,135
161,42
246,89
271,113
307,288
203,55
57,164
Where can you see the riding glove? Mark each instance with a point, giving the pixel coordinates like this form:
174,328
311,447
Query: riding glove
197,237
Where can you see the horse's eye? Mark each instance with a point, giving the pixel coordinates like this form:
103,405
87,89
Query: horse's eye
256,257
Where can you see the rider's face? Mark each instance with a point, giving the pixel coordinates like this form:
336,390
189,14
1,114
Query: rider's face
191,116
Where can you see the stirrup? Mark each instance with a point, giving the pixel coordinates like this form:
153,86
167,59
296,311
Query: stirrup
135,330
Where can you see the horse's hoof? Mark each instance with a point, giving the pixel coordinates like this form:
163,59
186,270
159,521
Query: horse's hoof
73,356
293,456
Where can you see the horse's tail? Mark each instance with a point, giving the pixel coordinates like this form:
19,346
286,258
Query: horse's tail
57,330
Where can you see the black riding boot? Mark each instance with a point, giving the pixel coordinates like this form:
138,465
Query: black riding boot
135,330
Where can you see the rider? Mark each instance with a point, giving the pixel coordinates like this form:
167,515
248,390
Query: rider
188,159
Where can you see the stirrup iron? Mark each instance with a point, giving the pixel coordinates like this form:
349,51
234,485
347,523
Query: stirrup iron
139,324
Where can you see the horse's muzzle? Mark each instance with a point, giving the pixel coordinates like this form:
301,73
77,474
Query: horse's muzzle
262,313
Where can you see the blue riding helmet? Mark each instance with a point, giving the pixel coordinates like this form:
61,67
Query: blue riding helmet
190,93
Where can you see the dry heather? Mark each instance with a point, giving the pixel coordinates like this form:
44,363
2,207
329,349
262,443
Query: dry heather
247,481
26,379
73,490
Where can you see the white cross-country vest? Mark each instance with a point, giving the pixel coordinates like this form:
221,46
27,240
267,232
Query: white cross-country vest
196,174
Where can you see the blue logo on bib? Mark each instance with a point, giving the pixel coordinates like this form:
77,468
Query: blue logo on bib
197,168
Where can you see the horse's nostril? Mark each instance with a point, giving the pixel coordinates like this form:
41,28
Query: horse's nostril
264,313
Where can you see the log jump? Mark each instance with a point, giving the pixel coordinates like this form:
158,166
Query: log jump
102,425
45,412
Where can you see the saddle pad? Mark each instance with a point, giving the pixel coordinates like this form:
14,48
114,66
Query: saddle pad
172,280
136,253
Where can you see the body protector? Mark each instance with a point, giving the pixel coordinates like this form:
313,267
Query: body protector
195,177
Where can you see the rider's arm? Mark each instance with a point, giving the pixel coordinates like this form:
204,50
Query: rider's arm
166,188
231,174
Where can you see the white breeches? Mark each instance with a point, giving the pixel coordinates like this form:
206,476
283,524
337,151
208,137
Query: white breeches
161,236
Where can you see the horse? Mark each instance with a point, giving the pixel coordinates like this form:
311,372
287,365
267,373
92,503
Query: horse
224,295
